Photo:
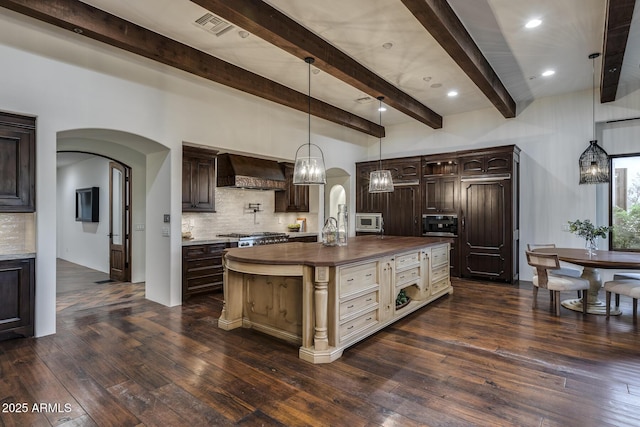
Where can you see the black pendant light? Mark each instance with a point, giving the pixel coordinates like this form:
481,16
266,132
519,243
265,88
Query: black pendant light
594,161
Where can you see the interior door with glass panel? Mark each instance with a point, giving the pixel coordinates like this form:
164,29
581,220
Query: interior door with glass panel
119,222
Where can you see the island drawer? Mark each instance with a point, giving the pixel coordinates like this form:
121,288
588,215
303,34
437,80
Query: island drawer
357,304
409,260
439,285
353,327
440,255
407,276
439,273
358,277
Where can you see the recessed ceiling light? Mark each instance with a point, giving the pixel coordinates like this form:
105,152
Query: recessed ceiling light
387,45
436,85
533,23
243,34
548,73
452,93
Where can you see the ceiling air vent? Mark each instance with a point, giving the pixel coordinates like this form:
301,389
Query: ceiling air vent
364,100
211,23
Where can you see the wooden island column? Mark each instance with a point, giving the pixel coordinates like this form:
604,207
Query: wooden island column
326,299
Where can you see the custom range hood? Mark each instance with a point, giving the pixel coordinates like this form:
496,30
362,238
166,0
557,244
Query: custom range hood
249,172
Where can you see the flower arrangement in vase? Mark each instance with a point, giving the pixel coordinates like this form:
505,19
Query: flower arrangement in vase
589,232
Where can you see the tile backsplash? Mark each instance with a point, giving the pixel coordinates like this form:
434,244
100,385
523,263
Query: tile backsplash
233,215
17,233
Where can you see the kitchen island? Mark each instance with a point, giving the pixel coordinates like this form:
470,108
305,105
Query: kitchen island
326,299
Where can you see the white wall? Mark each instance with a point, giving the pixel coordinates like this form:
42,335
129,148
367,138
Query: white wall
84,243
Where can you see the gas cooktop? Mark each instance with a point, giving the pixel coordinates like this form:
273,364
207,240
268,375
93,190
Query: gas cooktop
257,238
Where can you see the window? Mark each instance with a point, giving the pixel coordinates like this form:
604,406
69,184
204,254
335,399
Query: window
625,202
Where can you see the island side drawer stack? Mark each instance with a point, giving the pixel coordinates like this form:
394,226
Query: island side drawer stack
439,276
359,297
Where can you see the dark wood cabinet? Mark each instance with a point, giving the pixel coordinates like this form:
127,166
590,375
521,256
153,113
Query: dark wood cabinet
487,162
294,198
481,187
401,208
202,269
367,202
440,185
17,163
440,195
17,298
198,179
405,170
488,221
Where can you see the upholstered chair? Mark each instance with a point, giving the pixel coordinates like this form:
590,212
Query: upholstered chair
566,269
627,287
543,263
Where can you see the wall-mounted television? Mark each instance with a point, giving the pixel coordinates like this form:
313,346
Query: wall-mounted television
87,204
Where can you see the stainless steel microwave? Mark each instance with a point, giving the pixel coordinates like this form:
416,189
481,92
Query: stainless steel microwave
369,222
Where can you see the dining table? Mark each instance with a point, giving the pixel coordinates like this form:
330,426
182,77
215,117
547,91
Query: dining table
592,263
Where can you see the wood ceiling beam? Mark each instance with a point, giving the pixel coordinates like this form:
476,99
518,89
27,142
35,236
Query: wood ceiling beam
96,24
439,19
616,34
271,25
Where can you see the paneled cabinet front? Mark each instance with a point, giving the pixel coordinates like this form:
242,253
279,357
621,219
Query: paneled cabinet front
294,198
17,163
198,180
201,269
486,163
17,287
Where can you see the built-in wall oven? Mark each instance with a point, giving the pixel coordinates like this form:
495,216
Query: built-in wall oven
440,225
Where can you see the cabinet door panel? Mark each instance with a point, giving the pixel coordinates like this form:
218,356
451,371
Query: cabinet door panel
16,298
17,164
402,212
486,226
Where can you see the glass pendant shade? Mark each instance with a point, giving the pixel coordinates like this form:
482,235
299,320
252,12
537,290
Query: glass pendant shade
309,166
594,165
380,181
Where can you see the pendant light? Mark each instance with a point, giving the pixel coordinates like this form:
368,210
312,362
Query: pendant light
380,181
309,167
594,161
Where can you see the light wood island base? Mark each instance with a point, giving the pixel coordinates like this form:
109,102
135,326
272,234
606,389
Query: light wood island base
326,299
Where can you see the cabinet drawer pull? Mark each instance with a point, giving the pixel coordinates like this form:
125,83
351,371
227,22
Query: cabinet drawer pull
369,299
370,274
402,277
369,318
351,306
350,327
350,280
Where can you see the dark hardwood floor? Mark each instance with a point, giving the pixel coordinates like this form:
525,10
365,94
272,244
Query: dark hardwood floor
481,357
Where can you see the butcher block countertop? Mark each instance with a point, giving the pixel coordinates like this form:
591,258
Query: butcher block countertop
359,248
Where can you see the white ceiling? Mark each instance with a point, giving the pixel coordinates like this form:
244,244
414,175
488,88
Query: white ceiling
416,64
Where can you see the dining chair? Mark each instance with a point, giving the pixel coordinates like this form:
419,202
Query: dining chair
543,263
565,269
627,287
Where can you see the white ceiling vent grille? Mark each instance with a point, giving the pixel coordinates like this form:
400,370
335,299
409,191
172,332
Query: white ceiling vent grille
211,23
364,100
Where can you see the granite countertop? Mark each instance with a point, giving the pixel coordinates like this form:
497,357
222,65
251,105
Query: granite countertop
10,257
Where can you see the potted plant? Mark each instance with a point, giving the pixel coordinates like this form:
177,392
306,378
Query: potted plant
293,227
589,232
